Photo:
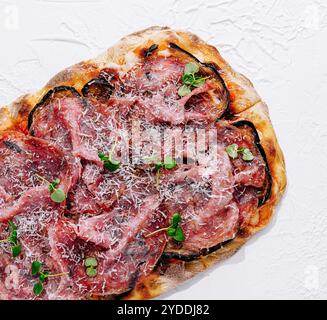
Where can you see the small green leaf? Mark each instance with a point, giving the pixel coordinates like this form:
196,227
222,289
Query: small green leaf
43,276
247,155
16,250
198,82
176,219
36,267
171,231
90,262
184,90
188,79
112,165
232,150
12,226
170,163
191,68
13,237
103,157
159,165
58,195
91,272
179,235
53,185
38,288
109,163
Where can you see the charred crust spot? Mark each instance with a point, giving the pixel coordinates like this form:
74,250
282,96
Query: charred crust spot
148,51
99,87
142,289
243,233
271,149
48,96
24,108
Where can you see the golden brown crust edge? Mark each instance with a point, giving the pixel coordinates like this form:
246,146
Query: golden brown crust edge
245,102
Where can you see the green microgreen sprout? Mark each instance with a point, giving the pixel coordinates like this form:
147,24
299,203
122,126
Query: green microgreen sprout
234,150
169,163
42,275
12,239
57,194
108,162
190,79
174,230
91,265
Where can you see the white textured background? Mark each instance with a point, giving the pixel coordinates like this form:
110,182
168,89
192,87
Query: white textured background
281,45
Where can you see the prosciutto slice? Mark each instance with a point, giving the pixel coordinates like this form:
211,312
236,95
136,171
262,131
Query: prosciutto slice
154,87
204,196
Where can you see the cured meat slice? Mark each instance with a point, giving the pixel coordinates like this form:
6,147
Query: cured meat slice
117,241
247,201
78,126
154,85
56,117
99,190
26,161
33,226
203,195
247,173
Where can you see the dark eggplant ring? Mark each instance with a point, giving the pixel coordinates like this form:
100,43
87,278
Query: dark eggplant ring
227,112
242,123
98,88
194,256
48,96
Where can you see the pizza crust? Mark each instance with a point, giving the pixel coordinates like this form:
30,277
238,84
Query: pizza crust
245,103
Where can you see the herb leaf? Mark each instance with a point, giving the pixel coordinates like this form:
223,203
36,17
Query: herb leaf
190,79
247,155
58,195
91,272
38,288
91,262
159,165
91,265
171,231
179,234
43,276
232,150
12,240
176,219
37,271
170,163
191,68
184,90
109,163
16,250
198,82
53,185
36,267
174,230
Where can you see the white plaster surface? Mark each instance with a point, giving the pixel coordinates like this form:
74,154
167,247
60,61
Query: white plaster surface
281,45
